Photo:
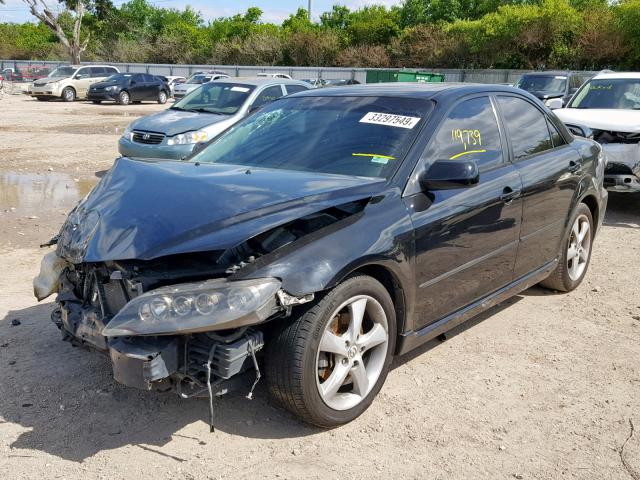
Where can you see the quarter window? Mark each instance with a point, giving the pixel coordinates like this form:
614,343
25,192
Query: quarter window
526,126
295,89
469,132
558,140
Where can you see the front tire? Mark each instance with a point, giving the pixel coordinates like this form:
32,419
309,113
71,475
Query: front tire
124,98
328,364
162,97
576,253
68,94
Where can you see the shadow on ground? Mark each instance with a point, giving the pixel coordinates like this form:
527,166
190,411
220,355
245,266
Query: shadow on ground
623,210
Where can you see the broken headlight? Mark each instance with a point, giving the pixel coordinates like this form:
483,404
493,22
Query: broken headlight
196,307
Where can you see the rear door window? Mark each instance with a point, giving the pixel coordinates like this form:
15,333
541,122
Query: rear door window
526,126
469,132
268,95
97,72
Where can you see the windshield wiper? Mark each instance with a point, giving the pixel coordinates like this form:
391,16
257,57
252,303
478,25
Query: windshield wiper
203,110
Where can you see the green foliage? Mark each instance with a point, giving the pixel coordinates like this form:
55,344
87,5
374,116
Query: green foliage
536,34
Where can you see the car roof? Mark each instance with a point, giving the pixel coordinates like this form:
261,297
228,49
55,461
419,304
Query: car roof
258,81
617,75
410,90
549,73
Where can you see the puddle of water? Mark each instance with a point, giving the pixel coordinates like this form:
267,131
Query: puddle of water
33,194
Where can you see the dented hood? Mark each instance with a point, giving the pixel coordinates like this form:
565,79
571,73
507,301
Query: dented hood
616,120
144,210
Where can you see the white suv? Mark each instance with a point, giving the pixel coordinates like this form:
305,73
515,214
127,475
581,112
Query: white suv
70,82
608,107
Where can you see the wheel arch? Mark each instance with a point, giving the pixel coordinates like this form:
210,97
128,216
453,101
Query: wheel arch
592,203
391,282
75,91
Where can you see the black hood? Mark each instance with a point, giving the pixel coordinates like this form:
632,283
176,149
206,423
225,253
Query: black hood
144,210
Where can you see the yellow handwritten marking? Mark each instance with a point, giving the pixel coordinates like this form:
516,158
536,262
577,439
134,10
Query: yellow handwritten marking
467,137
373,155
466,153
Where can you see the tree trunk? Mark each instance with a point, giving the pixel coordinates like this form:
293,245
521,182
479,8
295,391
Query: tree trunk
74,45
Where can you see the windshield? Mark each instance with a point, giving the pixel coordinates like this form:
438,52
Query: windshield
215,97
199,79
63,72
360,136
622,93
543,83
118,77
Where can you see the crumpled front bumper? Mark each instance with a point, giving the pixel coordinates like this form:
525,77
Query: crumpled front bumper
622,172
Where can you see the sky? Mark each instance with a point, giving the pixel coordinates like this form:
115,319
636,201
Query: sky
275,12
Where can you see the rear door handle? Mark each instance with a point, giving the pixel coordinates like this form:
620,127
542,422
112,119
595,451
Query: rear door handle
508,194
573,166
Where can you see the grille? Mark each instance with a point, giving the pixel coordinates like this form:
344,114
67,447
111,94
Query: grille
148,137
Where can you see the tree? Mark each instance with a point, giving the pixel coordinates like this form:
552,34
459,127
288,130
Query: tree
72,42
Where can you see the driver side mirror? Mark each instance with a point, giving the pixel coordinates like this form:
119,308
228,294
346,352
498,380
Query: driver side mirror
450,174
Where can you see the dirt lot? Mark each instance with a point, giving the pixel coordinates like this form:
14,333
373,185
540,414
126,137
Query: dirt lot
542,387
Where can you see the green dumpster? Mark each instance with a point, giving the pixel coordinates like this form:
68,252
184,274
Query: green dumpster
379,76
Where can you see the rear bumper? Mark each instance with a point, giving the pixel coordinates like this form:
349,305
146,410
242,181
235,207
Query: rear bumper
128,148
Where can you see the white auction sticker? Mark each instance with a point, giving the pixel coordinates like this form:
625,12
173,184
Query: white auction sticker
239,89
390,120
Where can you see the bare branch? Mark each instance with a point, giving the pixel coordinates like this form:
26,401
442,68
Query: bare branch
74,45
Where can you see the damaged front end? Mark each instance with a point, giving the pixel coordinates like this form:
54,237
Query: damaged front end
622,150
186,337
166,293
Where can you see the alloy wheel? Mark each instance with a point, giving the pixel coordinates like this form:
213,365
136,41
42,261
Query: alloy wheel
352,352
579,247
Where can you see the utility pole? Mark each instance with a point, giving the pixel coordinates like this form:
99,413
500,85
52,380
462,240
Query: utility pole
309,10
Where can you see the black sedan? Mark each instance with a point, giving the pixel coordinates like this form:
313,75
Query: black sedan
321,236
125,88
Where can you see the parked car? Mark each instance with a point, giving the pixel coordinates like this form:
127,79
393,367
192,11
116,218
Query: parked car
70,82
321,236
550,85
274,75
201,115
183,88
172,80
607,108
124,88
339,82
314,82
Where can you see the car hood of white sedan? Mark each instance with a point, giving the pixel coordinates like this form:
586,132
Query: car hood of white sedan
618,120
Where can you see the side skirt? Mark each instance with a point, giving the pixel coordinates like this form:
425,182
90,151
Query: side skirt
413,339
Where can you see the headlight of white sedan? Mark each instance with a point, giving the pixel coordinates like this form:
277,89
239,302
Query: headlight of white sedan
188,138
196,307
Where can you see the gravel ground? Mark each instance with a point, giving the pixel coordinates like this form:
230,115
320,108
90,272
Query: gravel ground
544,386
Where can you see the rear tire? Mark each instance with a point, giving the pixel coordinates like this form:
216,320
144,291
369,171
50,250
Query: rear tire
124,98
162,97
324,388
68,94
96,102
576,252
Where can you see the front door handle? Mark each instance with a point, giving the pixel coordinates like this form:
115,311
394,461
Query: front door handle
573,166
508,194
